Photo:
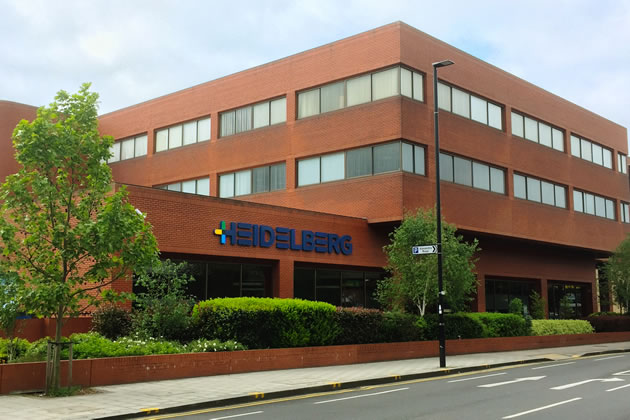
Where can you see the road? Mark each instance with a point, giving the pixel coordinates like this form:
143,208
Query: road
584,388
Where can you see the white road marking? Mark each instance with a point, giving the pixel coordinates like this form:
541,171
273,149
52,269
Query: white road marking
607,358
542,408
360,396
533,378
548,366
237,415
619,387
560,388
625,372
477,377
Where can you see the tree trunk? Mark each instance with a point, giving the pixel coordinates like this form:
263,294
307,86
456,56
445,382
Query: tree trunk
56,371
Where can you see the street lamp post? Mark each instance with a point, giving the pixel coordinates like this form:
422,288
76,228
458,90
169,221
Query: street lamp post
438,216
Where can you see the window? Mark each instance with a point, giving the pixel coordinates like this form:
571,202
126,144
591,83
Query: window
360,90
539,191
625,212
622,163
413,158
255,116
469,106
537,131
593,152
253,181
128,148
594,204
199,186
472,173
365,161
182,134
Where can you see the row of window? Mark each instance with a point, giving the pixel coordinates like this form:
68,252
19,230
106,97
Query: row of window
534,189
252,181
537,131
199,186
361,162
254,116
469,106
182,134
593,152
471,173
359,90
128,148
596,205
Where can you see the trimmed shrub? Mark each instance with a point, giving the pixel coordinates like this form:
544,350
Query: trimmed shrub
515,306
266,322
361,326
111,321
457,325
609,323
167,317
560,326
501,325
537,305
399,326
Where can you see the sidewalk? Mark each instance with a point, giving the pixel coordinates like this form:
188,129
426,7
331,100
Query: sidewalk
128,401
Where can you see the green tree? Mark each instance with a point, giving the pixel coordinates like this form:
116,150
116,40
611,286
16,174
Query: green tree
516,307
162,308
413,278
617,271
64,230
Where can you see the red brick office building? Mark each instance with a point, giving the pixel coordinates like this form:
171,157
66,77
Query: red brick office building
285,179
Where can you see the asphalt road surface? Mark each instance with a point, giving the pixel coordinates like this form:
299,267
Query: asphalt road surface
585,388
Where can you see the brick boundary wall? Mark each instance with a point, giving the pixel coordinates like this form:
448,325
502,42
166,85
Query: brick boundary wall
36,328
25,377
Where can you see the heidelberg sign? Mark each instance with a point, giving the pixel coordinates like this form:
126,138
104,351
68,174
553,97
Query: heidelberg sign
251,235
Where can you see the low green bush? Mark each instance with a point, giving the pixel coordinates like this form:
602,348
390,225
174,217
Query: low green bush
20,347
111,321
609,323
560,326
266,322
501,325
457,325
361,326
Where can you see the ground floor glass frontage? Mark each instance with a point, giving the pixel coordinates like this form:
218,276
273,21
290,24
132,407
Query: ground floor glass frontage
337,287
500,291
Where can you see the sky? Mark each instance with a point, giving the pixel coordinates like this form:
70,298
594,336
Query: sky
135,50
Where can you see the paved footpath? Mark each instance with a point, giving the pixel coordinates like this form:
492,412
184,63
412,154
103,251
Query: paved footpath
128,401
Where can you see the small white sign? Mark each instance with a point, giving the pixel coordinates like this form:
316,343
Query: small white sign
424,249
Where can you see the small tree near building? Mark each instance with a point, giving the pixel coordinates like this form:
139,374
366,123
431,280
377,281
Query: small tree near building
413,278
63,230
617,271
10,309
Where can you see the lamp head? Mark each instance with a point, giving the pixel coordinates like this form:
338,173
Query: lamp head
443,63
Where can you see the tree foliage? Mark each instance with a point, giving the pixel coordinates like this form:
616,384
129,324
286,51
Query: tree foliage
537,304
64,231
413,278
617,271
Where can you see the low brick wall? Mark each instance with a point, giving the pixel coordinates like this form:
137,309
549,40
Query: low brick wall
22,377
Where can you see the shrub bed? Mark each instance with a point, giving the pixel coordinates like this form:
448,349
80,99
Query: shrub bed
93,345
266,322
560,326
609,323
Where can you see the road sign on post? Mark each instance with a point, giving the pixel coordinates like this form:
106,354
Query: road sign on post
424,249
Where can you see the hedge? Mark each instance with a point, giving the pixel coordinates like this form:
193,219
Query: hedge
501,325
462,325
609,323
560,326
266,322
362,326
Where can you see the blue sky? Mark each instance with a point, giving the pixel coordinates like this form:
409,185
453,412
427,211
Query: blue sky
136,50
